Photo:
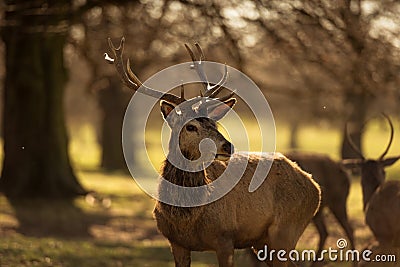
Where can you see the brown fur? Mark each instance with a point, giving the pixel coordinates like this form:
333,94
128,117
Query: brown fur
335,185
383,214
381,200
275,214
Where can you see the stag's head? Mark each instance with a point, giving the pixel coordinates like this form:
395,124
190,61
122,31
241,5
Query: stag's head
191,121
372,170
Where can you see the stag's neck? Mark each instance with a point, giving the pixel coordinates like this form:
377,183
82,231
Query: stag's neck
182,177
176,214
368,190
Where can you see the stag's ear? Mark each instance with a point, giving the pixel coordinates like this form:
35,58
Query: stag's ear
390,161
220,111
352,164
166,109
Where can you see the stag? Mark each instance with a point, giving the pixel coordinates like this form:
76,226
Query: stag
276,214
335,186
381,199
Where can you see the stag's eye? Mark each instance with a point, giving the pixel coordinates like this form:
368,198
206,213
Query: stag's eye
191,128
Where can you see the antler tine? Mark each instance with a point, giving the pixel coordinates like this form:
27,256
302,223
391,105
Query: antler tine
208,90
132,75
215,89
391,136
192,56
182,91
199,67
200,51
226,97
118,62
130,79
351,143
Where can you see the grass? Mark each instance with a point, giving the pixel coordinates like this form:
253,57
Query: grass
115,226
114,229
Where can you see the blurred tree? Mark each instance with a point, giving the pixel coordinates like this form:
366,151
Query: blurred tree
113,102
36,162
97,25
155,32
342,56
347,49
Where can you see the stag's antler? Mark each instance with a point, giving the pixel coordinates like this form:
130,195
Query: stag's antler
355,148
210,91
131,80
351,143
391,136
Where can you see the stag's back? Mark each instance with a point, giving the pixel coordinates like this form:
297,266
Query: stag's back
329,174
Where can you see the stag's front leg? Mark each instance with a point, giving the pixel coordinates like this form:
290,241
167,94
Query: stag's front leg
181,255
225,252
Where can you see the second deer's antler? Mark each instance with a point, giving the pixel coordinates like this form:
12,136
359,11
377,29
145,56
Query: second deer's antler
355,148
351,143
391,136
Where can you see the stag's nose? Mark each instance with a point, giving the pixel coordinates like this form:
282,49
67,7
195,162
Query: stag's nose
228,148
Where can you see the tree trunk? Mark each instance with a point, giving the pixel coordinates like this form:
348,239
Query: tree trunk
356,95
113,102
357,105
36,161
293,135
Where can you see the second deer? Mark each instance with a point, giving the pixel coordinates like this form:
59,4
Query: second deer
381,198
335,186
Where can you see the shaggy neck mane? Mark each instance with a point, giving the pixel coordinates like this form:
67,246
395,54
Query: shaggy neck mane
181,177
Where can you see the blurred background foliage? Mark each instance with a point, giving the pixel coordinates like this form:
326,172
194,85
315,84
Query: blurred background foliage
317,62
330,61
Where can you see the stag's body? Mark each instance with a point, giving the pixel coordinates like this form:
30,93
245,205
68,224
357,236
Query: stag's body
276,214
335,186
